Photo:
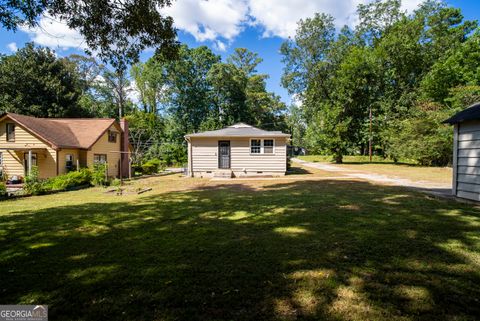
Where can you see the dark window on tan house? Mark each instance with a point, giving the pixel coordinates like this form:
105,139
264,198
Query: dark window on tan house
10,132
69,162
112,136
1,158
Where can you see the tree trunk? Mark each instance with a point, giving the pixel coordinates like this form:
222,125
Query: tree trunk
338,158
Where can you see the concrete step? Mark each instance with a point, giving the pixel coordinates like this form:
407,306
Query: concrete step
223,174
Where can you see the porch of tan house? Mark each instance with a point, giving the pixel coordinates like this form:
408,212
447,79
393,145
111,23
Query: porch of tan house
17,163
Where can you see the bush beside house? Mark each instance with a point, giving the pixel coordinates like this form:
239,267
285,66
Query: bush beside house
83,177
3,189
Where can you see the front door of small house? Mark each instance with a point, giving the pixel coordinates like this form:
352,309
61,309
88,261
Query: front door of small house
224,154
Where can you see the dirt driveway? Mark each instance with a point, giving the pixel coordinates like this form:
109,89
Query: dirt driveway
436,188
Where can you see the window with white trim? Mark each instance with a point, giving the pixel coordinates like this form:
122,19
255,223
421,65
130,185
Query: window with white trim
262,146
268,146
255,146
99,158
1,158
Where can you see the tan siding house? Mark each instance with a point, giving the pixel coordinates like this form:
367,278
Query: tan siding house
57,146
238,150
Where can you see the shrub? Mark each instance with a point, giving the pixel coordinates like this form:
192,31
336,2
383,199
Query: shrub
99,175
170,153
69,180
423,138
153,166
149,168
116,182
33,185
137,169
3,189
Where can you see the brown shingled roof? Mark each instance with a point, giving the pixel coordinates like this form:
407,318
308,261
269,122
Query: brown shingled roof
65,132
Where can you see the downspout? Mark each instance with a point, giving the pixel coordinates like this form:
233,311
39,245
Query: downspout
29,162
190,157
56,160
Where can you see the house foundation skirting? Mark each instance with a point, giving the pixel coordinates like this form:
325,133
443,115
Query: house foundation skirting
237,173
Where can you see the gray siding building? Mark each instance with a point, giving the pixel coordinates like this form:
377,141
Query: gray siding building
466,153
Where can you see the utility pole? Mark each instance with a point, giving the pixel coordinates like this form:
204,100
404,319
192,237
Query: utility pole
370,136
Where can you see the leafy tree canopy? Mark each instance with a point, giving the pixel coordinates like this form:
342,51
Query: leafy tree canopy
35,82
390,66
117,30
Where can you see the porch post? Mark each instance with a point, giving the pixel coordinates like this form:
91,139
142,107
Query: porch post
129,166
29,162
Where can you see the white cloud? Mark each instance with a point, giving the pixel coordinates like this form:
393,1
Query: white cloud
132,92
410,5
54,33
220,21
12,46
220,45
211,20
280,17
297,100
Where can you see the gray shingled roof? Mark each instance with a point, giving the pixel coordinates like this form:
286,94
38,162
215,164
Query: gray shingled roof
239,130
471,113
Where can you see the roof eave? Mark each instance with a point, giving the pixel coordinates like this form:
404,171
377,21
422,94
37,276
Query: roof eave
114,122
41,137
233,136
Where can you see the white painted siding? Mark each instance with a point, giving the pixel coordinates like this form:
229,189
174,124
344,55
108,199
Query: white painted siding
242,159
205,156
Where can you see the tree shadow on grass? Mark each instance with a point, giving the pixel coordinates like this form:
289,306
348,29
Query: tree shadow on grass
294,170
332,250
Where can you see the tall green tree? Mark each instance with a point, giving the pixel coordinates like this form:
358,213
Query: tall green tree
228,94
117,30
33,81
245,60
150,81
458,67
393,64
187,89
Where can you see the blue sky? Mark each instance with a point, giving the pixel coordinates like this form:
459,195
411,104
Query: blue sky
223,25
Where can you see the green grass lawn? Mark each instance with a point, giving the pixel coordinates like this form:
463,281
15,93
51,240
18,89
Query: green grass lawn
263,250
405,169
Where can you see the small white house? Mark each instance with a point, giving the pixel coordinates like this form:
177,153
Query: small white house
236,151
466,153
